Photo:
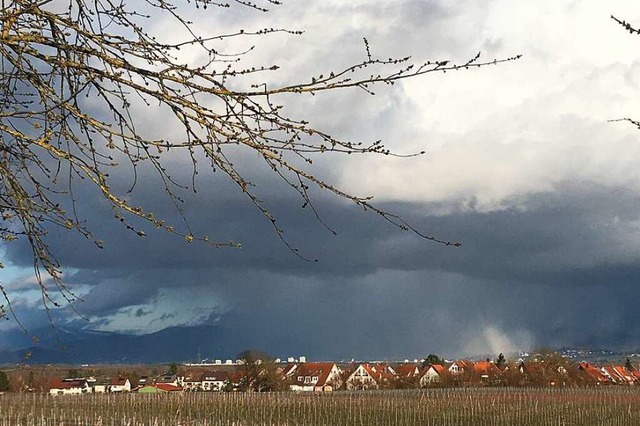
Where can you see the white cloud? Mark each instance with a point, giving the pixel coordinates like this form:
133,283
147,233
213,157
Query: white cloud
521,127
171,307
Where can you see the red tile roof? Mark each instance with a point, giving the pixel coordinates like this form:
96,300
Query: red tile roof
530,368
379,372
486,368
321,370
439,369
624,373
619,374
167,387
593,372
407,370
67,384
462,364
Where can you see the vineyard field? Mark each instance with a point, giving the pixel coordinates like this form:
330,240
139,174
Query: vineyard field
462,406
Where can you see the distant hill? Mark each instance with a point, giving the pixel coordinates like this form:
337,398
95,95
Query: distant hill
600,356
92,347
183,344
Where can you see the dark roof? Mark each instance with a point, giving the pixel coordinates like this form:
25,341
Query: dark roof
119,381
215,376
67,383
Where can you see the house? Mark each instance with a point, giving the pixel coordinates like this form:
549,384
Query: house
531,371
626,374
407,375
171,380
120,384
612,375
192,381
316,377
487,371
214,381
370,376
618,374
361,378
541,372
433,374
407,370
460,366
593,374
69,387
100,385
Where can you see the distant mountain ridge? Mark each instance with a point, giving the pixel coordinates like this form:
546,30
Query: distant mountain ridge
185,344
173,344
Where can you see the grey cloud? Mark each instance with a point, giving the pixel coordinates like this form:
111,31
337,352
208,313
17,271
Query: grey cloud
575,235
557,270
396,314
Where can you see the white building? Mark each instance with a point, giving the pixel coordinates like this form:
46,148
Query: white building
316,377
69,387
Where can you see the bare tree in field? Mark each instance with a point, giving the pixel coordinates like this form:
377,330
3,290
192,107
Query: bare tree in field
74,74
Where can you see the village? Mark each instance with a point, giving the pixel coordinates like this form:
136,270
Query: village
296,375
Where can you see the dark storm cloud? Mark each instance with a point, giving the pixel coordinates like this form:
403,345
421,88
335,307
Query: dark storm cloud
394,314
559,269
578,229
578,234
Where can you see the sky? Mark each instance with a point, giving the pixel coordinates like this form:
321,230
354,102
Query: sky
523,166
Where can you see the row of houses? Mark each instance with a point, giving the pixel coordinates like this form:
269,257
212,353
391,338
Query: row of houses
380,375
329,376
80,385
612,374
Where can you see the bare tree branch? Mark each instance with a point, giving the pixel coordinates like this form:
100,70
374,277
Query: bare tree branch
72,74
